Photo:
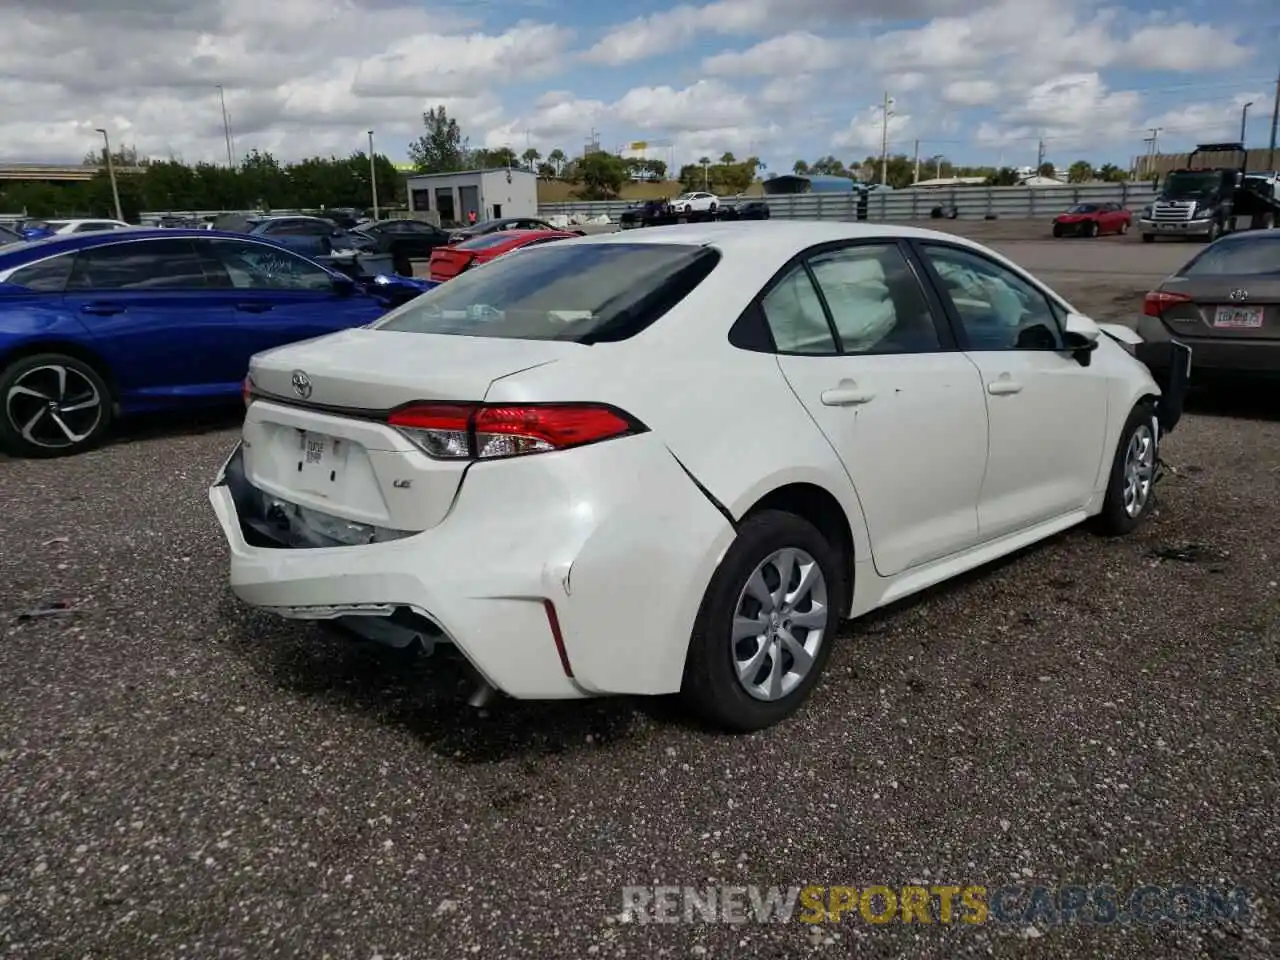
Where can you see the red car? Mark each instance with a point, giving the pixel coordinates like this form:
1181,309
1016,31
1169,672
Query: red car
447,262
1092,220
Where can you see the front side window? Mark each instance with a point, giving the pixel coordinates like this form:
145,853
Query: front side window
243,265
876,302
997,308
583,293
138,265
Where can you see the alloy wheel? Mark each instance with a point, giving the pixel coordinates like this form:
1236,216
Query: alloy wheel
779,624
1139,470
54,406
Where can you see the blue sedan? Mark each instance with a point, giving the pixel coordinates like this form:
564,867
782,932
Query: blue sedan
97,326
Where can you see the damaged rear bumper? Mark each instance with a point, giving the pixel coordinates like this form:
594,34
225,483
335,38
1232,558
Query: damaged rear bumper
1170,364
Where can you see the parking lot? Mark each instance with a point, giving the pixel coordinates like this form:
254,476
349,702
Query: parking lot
180,776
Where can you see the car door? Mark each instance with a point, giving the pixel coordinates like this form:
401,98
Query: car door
148,308
1047,412
867,350
279,297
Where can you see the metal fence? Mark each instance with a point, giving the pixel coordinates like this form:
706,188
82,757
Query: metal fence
973,203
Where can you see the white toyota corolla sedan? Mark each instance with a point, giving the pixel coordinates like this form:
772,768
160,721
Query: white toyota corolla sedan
673,459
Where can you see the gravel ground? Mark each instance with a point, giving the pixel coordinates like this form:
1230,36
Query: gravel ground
180,776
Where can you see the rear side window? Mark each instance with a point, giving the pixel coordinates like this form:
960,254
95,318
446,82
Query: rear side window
795,316
582,293
875,300
1249,256
47,276
140,265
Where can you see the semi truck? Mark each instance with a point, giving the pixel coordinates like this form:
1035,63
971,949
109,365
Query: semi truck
1208,201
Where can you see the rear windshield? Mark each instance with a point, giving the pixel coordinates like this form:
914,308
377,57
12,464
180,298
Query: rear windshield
583,293
1249,255
1083,208
486,241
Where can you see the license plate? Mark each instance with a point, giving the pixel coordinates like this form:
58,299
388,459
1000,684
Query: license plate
321,460
1238,318
1167,226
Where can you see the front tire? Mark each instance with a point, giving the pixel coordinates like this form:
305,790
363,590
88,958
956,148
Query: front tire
1130,496
1057,230
766,625
53,405
1090,230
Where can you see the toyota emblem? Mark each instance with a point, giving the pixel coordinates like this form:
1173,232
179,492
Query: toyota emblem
1239,295
301,384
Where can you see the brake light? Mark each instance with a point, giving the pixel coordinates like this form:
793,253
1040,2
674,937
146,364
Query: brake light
1155,303
450,431
246,391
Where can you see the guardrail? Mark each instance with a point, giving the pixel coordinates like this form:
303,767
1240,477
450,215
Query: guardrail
973,203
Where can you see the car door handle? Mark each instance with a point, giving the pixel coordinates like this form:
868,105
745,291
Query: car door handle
847,394
253,307
102,309
1003,387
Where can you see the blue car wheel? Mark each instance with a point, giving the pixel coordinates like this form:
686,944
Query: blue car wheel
54,405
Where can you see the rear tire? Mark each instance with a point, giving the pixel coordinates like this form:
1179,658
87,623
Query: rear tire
741,681
1124,227
52,405
1131,494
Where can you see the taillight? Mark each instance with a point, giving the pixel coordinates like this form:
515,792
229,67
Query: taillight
1155,303
246,391
450,431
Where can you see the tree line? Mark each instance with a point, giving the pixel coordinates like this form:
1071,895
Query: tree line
258,182
901,171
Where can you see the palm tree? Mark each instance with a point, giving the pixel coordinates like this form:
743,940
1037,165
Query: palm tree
531,157
557,158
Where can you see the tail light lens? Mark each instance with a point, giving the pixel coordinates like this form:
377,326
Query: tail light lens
493,431
246,392
1155,303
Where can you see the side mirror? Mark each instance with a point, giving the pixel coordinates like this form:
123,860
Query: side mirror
1080,337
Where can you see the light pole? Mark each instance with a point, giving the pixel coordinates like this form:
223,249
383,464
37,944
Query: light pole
885,114
1244,118
373,177
111,173
226,125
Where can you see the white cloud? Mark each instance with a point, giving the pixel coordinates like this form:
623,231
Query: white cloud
866,131
971,93
782,54
1184,47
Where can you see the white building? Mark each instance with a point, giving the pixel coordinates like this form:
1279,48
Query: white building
492,194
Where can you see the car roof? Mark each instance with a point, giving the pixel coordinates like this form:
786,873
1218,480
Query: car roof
51,246
773,236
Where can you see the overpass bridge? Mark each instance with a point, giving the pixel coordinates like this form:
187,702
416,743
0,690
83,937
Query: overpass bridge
55,172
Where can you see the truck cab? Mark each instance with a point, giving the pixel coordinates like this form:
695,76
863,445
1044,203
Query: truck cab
1208,201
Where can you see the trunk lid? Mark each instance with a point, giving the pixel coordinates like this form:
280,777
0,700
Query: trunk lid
447,262
331,451
1225,307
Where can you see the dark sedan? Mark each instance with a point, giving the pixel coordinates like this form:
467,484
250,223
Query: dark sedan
405,240
1225,304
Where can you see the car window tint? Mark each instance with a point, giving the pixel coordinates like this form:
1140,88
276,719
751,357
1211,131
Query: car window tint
260,266
875,300
997,308
47,276
94,227
795,316
1251,255
138,265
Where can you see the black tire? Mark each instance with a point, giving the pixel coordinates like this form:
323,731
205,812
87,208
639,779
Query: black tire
1114,519
1215,231
711,687
1089,230
1057,230
1124,227
38,372
1148,238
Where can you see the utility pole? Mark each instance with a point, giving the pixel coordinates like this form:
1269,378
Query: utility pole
1039,157
373,177
1275,123
1153,152
111,173
226,125
884,139
916,178
1244,120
